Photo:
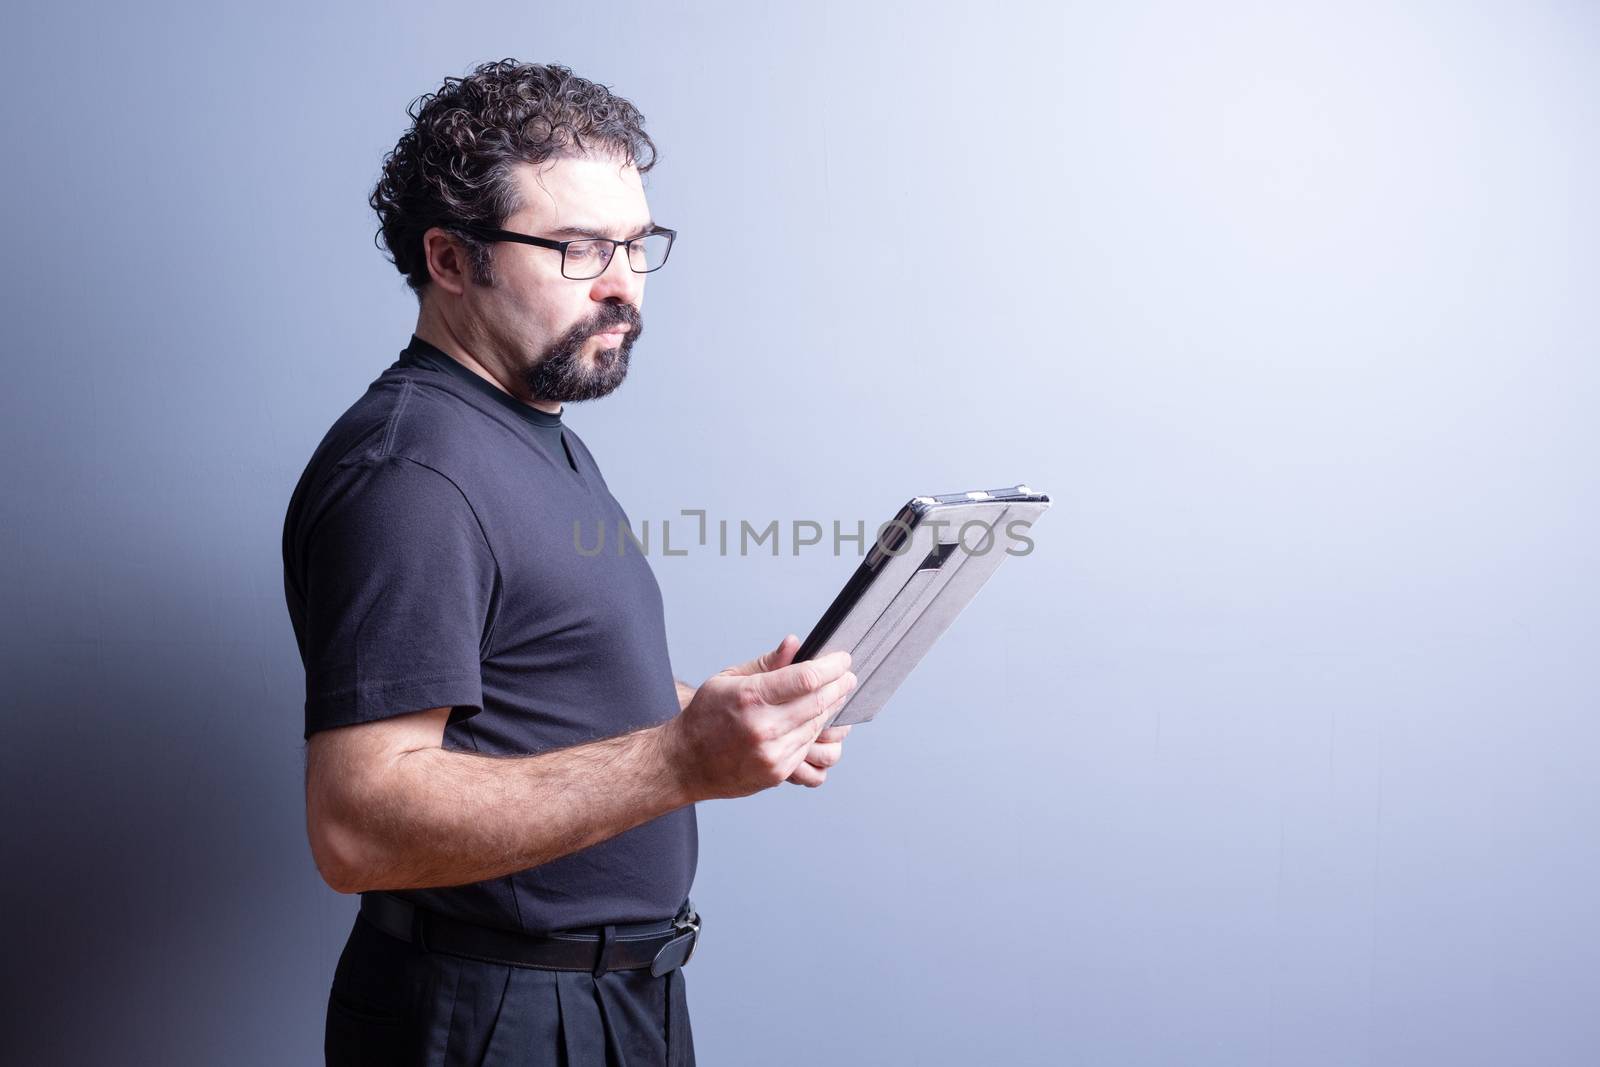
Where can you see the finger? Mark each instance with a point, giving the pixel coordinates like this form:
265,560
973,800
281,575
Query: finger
824,754
768,661
834,733
807,775
800,741
809,714
779,687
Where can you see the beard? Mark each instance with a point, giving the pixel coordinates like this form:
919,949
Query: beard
564,374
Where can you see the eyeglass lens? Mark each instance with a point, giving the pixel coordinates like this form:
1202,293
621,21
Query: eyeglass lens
588,259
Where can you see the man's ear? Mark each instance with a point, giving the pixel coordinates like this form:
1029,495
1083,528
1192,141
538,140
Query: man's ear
447,260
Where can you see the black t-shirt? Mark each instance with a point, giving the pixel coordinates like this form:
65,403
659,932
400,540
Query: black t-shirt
440,551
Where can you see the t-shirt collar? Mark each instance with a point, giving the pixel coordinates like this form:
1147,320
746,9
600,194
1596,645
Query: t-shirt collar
420,353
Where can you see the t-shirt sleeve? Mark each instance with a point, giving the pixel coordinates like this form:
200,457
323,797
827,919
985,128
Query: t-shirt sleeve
400,590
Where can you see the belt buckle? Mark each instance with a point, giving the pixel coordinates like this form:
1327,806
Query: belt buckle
690,922
679,950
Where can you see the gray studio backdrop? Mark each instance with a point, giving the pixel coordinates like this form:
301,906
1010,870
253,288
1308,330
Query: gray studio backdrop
1279,749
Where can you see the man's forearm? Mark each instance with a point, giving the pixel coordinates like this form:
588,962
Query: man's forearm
440,817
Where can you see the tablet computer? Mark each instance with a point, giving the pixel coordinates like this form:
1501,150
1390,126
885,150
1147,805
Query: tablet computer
926,564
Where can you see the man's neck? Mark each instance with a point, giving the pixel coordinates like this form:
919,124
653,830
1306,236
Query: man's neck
435,330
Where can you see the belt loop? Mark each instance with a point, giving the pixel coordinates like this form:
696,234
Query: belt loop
607,936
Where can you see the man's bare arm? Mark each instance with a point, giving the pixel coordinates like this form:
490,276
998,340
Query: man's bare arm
388,808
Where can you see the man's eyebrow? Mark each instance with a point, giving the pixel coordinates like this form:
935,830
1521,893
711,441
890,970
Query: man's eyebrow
590,231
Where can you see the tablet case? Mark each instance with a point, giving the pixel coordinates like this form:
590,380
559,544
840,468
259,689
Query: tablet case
924,568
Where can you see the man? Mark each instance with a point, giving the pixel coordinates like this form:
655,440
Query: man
499,759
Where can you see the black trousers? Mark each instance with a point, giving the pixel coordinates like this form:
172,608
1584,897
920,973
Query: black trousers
395,1005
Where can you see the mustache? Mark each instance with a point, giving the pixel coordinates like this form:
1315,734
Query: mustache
611,316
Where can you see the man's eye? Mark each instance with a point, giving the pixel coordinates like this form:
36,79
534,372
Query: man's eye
582,252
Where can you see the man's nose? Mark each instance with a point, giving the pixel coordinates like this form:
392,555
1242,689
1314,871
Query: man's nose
618,280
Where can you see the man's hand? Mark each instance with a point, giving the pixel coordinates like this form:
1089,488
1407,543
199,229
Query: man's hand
758,724
827,749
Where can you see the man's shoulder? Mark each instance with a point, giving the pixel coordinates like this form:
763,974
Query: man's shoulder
412,416
407,433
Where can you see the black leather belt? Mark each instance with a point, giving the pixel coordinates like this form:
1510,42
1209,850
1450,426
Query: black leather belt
660,945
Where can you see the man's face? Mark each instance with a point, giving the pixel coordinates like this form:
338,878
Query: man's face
567,340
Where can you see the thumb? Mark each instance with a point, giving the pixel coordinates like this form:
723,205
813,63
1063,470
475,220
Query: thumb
769,661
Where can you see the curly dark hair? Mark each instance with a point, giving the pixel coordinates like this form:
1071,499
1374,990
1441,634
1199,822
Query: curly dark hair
454,165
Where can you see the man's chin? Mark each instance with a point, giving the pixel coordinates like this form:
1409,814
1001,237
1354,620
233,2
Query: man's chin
610,372
587,373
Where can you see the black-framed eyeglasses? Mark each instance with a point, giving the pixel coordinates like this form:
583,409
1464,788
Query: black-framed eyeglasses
588,257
